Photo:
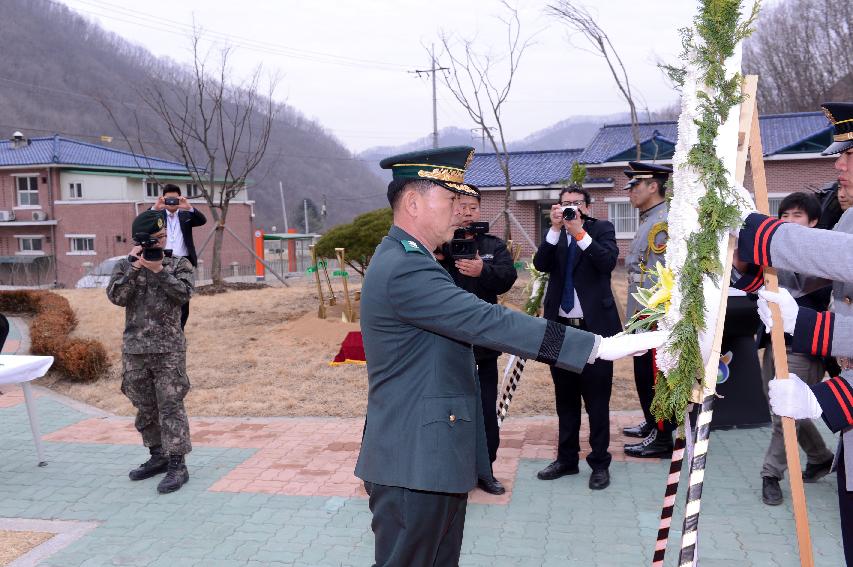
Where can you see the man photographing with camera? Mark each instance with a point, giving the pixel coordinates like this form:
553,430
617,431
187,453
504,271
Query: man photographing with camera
180,218
481,264
580,252
152,286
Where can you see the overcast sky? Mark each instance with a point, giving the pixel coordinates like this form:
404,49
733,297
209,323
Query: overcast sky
345,63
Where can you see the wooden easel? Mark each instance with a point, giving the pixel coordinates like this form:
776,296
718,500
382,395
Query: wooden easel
749,143
321,311
349,314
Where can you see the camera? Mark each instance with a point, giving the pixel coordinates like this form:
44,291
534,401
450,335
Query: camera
172,201
462,248
151,250
570,213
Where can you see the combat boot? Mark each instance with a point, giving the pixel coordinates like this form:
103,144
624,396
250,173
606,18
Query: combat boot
155,465
176,475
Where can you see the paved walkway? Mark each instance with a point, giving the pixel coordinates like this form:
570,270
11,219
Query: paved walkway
280,491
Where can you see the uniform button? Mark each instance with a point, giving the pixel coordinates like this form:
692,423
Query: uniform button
452,418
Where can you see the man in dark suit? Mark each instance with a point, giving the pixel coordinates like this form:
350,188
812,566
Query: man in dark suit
580,254
180,218
424,443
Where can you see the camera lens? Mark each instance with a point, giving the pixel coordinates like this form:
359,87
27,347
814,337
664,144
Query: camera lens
569,213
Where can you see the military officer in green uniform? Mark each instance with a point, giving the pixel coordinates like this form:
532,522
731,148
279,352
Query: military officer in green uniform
424,444
646,190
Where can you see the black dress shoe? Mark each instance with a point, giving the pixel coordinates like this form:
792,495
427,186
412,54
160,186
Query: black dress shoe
599,480
556,470
491,485
641,430
656,445
771,493
813,473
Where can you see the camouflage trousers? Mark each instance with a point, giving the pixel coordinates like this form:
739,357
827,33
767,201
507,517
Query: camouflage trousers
156,384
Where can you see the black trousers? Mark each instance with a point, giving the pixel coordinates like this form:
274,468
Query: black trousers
487,371
413,528
845,508
185,314
593,386
644,380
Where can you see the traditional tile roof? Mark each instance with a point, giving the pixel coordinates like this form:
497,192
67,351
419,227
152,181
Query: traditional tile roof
526,169
56,150
779,132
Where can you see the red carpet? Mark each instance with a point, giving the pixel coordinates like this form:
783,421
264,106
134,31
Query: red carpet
352,350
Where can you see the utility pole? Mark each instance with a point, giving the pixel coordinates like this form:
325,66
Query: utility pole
433,71
305,208
283,208
482,136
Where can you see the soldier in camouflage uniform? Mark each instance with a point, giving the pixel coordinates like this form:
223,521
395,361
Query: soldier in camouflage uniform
646,189
154,375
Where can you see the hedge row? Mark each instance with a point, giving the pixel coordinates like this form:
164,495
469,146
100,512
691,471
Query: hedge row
81,360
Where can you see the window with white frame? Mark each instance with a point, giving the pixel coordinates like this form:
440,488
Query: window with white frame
81,244
152,189
774,205
193,190
624,217
75,190
30,244
28,191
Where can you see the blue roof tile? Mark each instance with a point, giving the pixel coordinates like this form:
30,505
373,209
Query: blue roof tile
778,133
526,169
57,150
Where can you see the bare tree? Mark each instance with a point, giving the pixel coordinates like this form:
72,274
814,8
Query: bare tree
578,18
219,130
800,52
473,81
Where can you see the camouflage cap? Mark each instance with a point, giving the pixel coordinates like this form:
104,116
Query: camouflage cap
148,222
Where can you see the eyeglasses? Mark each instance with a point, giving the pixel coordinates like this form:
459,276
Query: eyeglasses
573,203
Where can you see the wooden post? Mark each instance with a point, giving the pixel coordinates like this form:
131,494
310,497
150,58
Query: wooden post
332,299
321,312
348,315
780,357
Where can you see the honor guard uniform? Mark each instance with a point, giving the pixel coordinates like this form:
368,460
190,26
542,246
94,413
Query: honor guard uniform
424,443
646,250
824,258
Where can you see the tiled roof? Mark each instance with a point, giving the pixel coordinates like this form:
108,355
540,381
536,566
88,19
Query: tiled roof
65,151
525,168
778,133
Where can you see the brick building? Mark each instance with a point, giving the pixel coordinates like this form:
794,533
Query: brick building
67,205
792,144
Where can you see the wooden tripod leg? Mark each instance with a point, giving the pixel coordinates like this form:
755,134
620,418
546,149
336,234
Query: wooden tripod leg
321,312
332,299
780,360
348,314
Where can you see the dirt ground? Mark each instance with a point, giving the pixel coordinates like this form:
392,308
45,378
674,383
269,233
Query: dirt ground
15,544
265,353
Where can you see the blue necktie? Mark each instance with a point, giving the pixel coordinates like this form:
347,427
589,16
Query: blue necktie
568,299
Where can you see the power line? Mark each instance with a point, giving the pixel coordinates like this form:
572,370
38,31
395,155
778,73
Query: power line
149,21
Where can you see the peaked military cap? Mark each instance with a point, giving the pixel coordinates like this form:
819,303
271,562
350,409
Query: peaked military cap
442,166
641,170
841,116
148,222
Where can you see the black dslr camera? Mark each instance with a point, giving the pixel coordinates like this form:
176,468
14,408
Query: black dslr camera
571,212
151,250
462,248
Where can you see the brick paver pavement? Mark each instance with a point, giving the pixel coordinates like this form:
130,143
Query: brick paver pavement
280,491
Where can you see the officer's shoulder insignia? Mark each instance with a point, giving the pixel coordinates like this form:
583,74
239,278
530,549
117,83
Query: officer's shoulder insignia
658,228
412,246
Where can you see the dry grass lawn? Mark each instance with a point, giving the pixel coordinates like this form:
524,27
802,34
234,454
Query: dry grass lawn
265,353
15,544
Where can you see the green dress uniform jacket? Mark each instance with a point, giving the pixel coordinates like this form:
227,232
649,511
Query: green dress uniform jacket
641,255
424,426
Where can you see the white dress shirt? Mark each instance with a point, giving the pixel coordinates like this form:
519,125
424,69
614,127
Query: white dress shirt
174,234
553,237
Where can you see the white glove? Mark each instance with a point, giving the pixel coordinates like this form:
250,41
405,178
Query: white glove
793,398
611,348
787,304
